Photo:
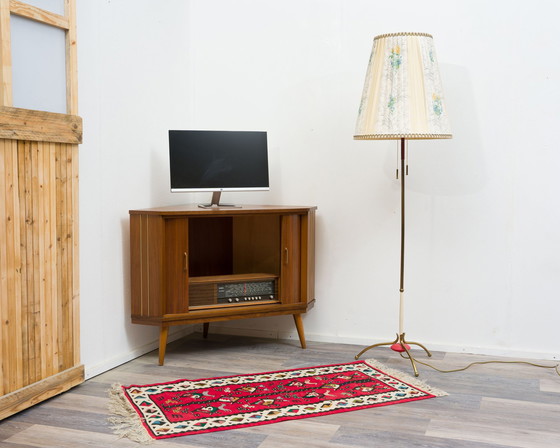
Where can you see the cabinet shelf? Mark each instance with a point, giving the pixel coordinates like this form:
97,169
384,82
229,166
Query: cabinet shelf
232,278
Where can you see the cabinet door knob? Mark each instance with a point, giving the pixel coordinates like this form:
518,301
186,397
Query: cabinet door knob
286,256
185,262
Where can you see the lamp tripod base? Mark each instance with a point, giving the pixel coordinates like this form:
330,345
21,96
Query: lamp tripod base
398,345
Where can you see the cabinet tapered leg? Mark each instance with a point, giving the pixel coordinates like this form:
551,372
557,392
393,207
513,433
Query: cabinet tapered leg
163,331
205,327
299,327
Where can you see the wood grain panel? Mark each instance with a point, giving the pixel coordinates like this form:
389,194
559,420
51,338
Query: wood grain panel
308,257
38,14
39,126
34,274
24,159
147,265
155,230
3,271
176,265
235,312
6,97
39,391
38,264
256,244
48,224
75,265
136,264
290,273
71,59
5,215
64,238
144,268
14,257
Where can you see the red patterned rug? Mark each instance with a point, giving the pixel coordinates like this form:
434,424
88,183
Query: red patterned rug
185,407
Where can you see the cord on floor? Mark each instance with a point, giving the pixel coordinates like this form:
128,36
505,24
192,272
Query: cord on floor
403,355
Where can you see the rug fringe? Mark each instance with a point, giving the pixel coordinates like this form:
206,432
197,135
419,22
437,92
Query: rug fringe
125,421
406,378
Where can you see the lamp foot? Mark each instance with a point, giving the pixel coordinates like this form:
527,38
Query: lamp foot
398,345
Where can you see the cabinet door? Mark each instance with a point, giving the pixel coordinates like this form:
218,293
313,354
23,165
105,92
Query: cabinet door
308,257
290,255
147,265
176,265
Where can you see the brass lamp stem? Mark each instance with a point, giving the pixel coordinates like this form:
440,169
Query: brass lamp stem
400,344
403,161
401,289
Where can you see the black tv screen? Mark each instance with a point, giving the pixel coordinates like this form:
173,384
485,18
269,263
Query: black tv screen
218,160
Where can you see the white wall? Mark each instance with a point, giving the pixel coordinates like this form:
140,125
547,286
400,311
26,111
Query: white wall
482,209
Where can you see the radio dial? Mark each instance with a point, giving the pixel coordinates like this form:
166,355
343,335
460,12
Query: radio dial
251,291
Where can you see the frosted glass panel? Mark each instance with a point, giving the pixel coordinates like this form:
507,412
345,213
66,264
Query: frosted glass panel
38,65
56,6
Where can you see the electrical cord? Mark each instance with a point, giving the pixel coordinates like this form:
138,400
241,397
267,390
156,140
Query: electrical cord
403,355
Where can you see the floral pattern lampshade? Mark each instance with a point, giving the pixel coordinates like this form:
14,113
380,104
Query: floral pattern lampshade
402,96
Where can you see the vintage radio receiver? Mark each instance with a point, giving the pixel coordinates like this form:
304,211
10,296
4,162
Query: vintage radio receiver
233,290
246,291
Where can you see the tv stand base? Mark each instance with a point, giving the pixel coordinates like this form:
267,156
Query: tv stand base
216,202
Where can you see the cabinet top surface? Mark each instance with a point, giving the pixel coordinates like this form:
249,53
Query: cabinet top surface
193,209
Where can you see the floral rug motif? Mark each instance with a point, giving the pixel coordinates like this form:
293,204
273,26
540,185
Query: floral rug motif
185,407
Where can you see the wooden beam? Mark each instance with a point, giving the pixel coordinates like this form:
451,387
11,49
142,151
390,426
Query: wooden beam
33,125
39,15
5,55
71,59
40,391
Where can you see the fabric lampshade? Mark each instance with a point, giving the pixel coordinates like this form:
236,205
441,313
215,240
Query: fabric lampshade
402,96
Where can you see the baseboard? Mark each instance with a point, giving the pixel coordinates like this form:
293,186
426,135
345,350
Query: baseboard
115,361
91,371
361,341
495,351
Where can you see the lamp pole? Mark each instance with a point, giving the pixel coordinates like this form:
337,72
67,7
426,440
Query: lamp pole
400,344
401,289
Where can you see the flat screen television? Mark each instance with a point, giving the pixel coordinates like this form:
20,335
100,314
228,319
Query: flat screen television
217,161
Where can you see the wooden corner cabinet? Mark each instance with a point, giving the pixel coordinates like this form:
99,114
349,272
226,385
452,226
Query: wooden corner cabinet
193,265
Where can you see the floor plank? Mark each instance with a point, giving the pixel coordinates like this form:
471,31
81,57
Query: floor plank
490,406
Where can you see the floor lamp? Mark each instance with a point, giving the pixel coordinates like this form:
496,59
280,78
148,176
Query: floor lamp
402,100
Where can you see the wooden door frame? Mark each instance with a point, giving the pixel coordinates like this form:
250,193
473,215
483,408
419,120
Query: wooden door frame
66,22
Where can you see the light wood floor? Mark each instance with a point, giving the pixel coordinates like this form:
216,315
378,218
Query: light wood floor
488,406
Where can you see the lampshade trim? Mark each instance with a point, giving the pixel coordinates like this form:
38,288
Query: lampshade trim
399,136
382,36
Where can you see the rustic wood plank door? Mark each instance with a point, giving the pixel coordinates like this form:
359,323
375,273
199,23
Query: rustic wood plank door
39,277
